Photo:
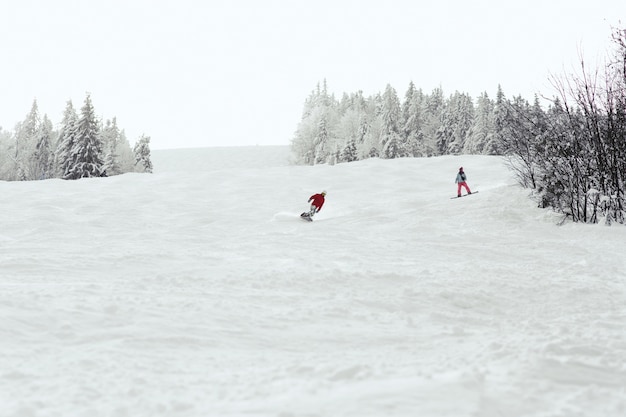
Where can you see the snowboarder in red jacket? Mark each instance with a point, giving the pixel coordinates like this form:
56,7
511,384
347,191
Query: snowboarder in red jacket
317,201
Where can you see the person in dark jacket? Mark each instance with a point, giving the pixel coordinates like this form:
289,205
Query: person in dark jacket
460,180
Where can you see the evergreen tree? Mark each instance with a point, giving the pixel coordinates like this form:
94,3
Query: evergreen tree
499,115
413,121
371,147
407,110
349,153
315,136
66,140
86,154
322,142
432,111
110,136
391,116
6,163
42,159
142,154
303,143
348,128
125,154
364,134
460,116
443,135
482,130
25,142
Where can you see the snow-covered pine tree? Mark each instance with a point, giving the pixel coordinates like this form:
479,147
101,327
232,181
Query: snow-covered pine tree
444,132
499,115
482,130
372,128
5,162
125,154
348,154
406,106
432,115
142,154
312,140
302,145
25,141
460,116
364,128
391,115
321,142
413,121
109,136
66,140
87,150
348,128
42,158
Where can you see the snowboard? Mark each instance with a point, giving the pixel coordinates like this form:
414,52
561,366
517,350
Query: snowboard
306,217
464,195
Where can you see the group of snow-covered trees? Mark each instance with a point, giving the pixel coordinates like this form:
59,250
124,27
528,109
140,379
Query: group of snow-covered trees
572,154
83,146
382,125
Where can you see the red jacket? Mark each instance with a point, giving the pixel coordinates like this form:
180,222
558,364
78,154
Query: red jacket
318,201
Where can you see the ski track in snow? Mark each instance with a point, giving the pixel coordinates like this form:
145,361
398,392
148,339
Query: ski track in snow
197,291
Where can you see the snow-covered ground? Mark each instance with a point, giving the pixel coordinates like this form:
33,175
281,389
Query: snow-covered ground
197,291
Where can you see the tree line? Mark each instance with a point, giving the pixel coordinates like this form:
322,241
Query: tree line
572,154
358,127
83,146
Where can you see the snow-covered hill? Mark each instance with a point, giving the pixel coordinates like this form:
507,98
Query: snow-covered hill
197,291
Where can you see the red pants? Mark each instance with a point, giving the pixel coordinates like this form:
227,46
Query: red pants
463,184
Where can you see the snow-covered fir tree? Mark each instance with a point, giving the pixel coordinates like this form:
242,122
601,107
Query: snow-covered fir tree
312,142
142,154
482,130
348,154
492,147
413,121
109,136
456,123
6,163
432,115
391,114
125,154
66,140
86,154
25,140
42,158
321,142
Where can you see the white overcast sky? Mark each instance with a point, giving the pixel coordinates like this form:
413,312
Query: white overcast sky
196,73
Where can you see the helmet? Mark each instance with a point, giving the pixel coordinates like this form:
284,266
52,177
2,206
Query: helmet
323,192
461,169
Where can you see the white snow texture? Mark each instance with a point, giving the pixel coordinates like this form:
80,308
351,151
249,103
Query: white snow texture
197,291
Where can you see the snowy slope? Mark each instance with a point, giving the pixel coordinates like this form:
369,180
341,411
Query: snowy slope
197,291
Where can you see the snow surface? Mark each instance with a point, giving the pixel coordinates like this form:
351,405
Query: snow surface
197,291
